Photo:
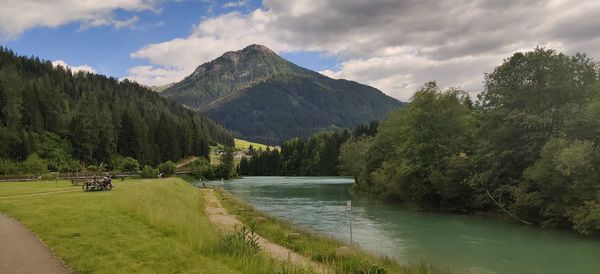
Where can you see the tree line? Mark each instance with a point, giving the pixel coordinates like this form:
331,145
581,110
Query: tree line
74,119
316,155
529,146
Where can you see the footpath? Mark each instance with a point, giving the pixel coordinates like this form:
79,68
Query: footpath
219,217
23,252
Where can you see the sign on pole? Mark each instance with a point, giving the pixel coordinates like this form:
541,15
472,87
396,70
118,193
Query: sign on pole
349,209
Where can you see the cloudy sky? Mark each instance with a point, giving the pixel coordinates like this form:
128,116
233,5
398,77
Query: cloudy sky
394,45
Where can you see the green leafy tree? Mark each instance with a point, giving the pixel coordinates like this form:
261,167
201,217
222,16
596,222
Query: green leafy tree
227,166
430,142
560,185
149,172
352,156
527,101
8,167
35,165
167,168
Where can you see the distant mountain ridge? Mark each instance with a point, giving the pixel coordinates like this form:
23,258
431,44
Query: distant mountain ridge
262,97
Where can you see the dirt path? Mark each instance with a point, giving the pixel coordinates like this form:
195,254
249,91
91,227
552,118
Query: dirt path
186,161
218,216
23,252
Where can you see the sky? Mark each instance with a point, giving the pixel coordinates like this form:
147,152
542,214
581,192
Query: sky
393,45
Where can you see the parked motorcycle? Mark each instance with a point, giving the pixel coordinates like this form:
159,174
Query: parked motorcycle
95,184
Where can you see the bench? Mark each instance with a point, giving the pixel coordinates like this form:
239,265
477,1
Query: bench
81,180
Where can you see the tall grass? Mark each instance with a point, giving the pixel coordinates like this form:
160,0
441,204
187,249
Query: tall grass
176,210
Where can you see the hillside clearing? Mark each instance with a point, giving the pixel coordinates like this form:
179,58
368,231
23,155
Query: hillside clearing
243,145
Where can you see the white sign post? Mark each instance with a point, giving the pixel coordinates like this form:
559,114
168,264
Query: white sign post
349,209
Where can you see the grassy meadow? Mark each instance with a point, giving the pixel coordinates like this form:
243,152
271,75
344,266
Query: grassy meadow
243,145
143,226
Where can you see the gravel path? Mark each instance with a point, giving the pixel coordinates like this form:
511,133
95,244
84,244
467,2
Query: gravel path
218,216
23,252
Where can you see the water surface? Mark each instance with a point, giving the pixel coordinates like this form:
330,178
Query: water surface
455,241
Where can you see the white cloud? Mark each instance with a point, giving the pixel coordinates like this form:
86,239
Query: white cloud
109,21
153,76
234,4
74,69
17,16
394,45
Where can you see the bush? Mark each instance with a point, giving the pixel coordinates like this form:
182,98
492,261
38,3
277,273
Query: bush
49,176
35,165
201,169
8,167
125,164
70,166
167,168
241,242
55,150
586,219
149,172
130,165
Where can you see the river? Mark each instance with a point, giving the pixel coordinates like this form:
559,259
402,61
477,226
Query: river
457,242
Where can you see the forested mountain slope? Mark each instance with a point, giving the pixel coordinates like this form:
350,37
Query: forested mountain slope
262,97
66,117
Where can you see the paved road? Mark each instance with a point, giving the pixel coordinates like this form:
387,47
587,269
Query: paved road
23,252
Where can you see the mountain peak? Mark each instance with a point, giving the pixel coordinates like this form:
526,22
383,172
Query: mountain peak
235,56
252,63
258,48
264,97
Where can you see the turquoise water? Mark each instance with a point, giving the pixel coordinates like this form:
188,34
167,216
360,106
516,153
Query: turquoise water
454,241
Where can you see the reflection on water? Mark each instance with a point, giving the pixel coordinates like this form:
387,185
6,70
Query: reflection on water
455,241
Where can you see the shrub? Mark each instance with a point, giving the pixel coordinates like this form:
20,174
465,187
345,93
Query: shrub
130,165
70,166
201,169
49,176
586,218
8,167
167,168
241,242
149,172
35,165
125,164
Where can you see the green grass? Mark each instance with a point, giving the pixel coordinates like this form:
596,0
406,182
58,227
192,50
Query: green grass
243,144
215,159
22,188
142,226
317,246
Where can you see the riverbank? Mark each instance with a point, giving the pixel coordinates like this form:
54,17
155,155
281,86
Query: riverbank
320,248
454,242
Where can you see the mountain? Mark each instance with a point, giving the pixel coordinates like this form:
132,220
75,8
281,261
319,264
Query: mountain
158,88
65,117
262,97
